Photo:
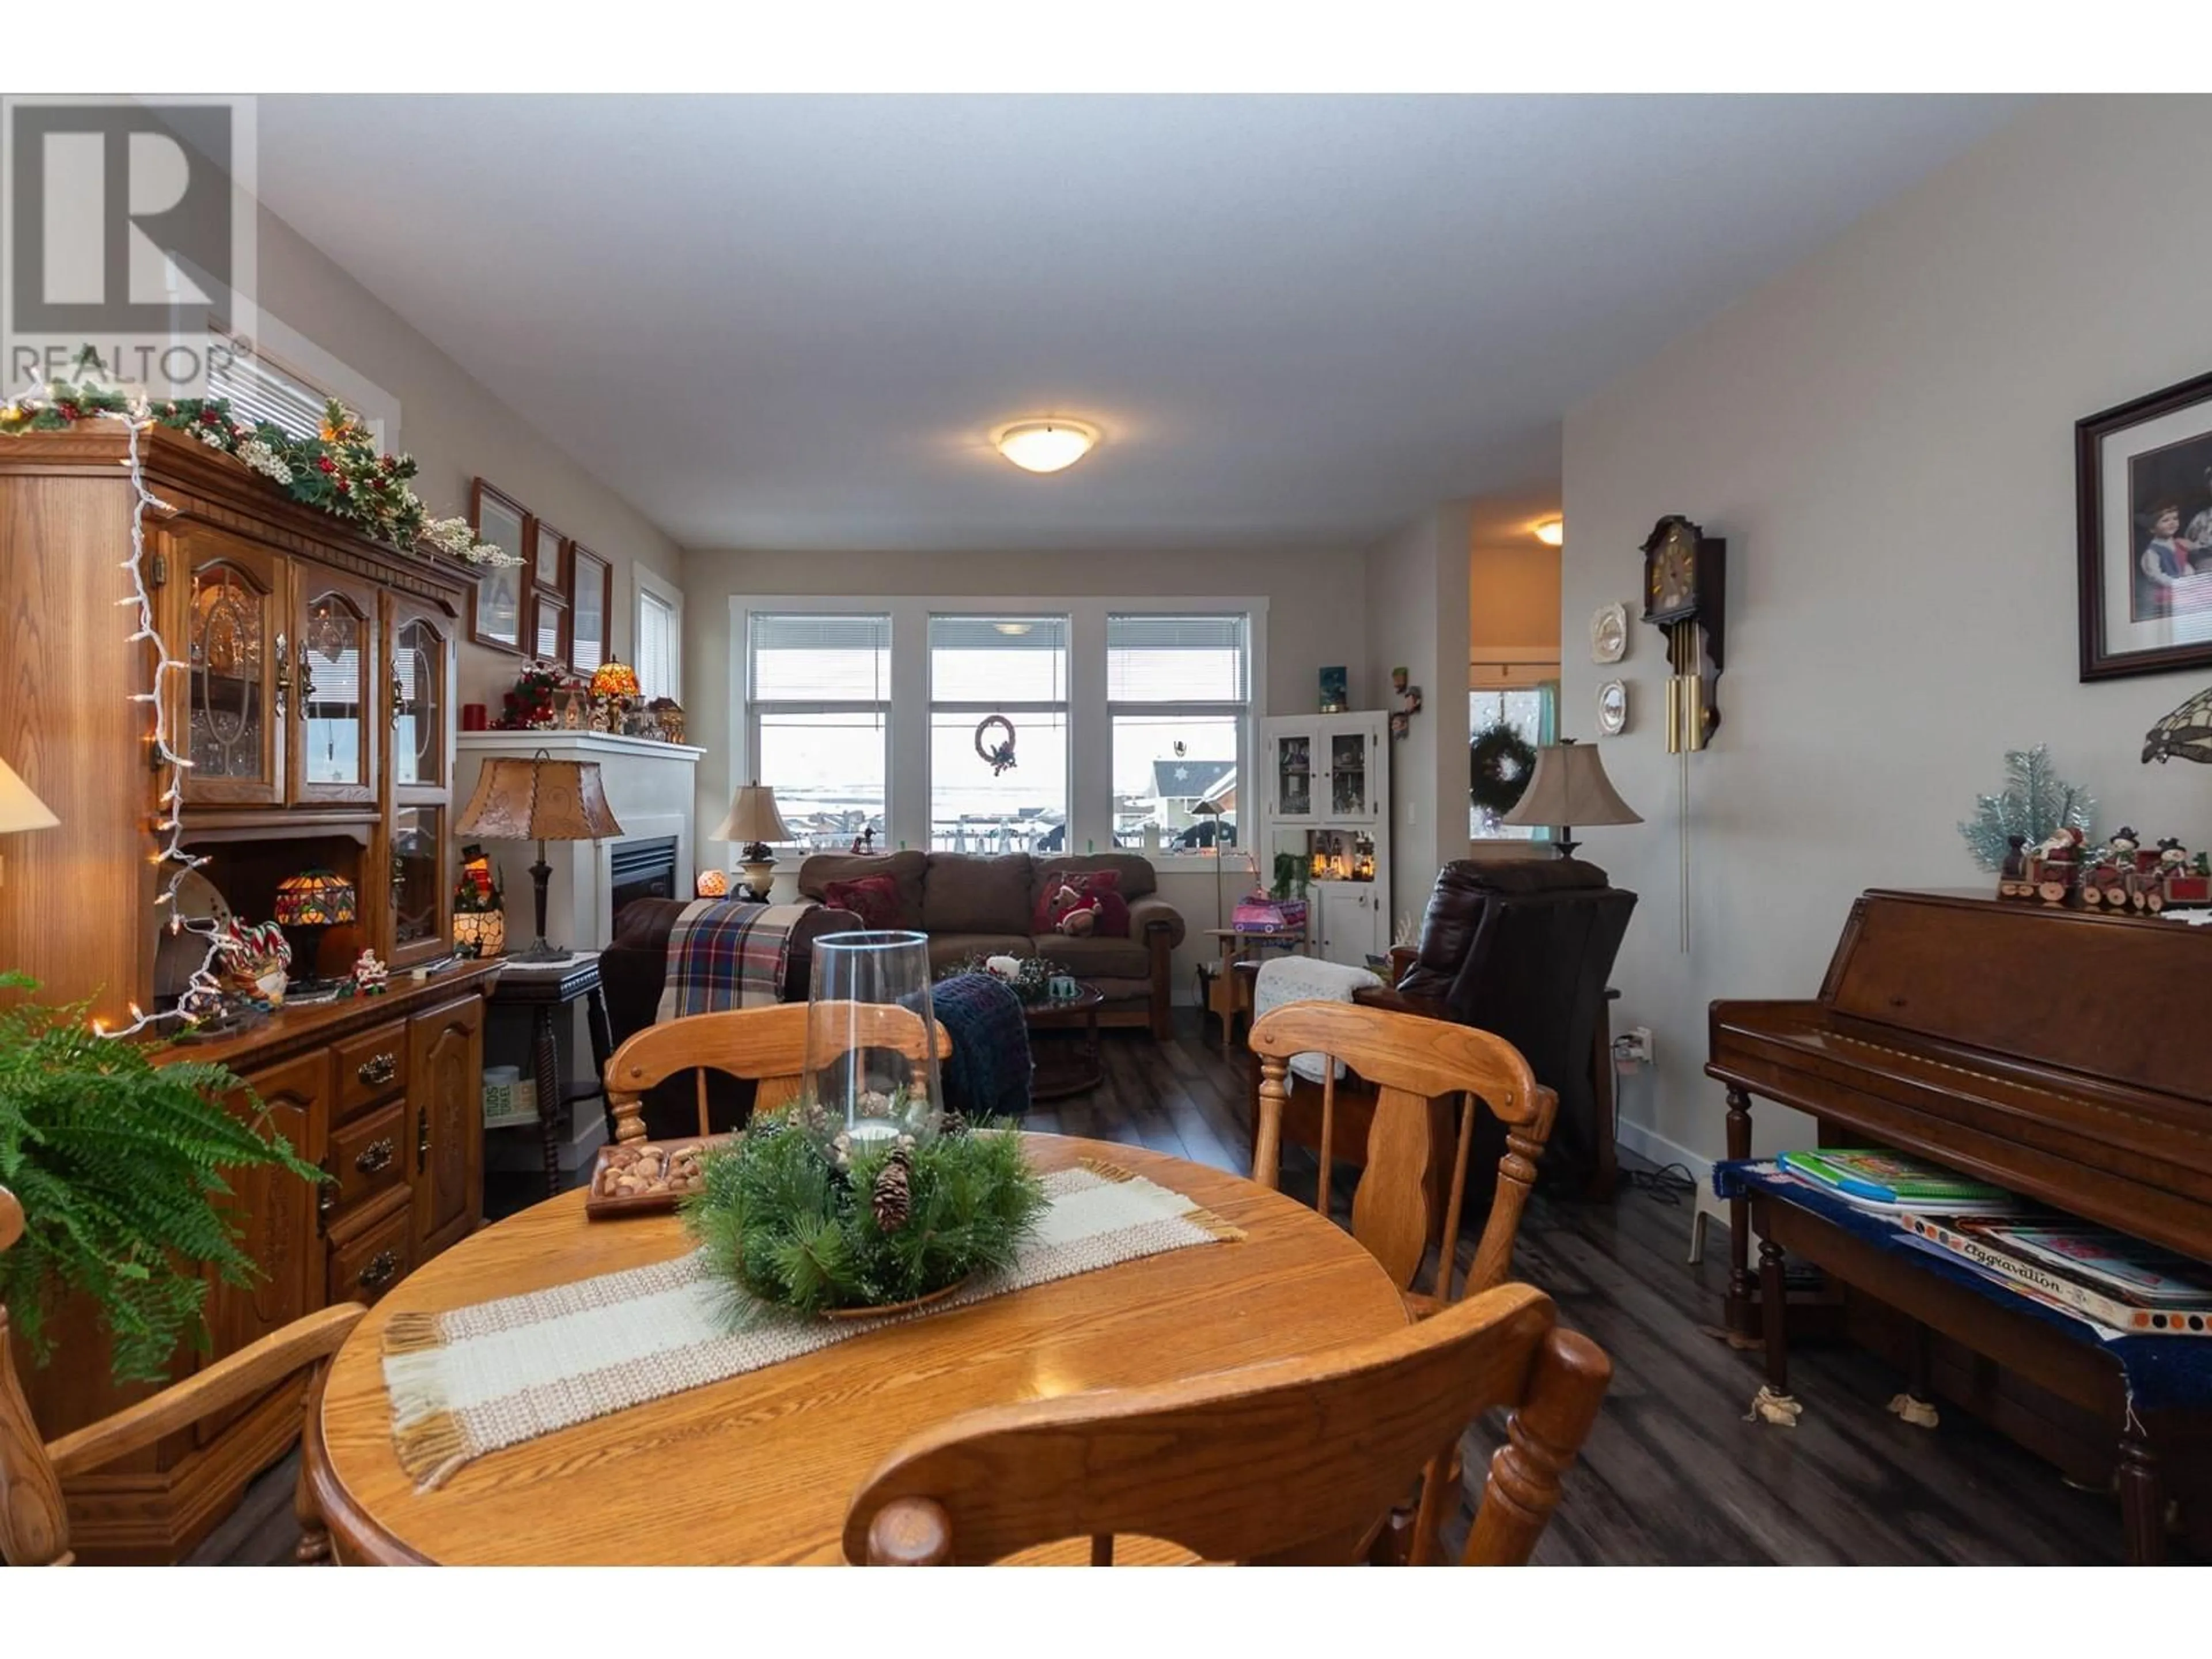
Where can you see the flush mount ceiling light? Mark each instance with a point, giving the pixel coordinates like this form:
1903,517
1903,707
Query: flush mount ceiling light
1552,533
1045,445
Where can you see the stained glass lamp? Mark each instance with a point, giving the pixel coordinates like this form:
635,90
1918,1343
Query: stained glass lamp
310,905
615,684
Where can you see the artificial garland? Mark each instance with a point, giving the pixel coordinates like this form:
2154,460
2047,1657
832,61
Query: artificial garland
1500,762
339,470
797,1214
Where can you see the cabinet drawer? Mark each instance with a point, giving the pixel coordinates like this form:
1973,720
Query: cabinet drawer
369,1155
371,1067
365,1266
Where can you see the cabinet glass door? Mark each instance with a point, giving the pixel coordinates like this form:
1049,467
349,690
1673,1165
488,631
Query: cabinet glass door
1294,779
419,888
1348,795
419,655
334,691
236,654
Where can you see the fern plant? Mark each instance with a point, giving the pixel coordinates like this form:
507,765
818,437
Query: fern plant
117,1164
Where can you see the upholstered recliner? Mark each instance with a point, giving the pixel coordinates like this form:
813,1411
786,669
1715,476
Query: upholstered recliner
1524,948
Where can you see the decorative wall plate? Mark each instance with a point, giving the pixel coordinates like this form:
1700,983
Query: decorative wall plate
1609,634
1613,709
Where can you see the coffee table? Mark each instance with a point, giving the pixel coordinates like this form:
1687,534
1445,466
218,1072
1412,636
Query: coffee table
1069,1062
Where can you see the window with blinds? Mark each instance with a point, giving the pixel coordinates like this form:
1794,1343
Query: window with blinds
1179,691
988,673
260,391
656,664
818,711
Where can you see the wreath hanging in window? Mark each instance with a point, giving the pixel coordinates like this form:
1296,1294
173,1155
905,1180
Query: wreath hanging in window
1500,762
999,756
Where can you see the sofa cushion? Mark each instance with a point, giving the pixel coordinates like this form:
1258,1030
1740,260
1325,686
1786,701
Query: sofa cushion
1137,877
1097,890
966,893
1095,958
950,950
904,868
874,899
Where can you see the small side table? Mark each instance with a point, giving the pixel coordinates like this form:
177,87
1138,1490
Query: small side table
546,991
1225,996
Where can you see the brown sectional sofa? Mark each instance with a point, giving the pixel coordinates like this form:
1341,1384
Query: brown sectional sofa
969,904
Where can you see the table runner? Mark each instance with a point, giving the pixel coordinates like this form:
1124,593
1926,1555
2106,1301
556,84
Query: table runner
499,1373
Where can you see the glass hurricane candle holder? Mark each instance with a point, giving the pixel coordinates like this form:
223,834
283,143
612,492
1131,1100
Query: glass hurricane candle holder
870,1034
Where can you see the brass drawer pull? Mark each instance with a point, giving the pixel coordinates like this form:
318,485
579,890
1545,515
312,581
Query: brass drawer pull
378,1070
377,1155
382,1269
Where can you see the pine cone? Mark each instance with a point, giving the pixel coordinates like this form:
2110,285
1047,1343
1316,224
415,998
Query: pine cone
893,1196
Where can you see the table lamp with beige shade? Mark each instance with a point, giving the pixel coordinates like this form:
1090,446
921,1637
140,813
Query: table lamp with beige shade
539,800
19,810
1569,786
754,821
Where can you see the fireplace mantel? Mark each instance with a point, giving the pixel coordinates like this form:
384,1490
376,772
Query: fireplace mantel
649,788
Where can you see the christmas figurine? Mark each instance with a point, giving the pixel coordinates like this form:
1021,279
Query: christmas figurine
370,977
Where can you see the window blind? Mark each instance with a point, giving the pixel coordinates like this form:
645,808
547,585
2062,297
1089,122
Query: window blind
819,658
997,659
656,646
1159,659
259,390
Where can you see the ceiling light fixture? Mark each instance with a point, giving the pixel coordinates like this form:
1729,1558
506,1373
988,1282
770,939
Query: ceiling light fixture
1045,445
1552,533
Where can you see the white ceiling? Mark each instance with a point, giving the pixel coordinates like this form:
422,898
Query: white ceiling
790,322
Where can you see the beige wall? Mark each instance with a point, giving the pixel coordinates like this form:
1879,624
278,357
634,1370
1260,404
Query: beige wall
1417,617
457,430
1316,609
1513,604
1884,436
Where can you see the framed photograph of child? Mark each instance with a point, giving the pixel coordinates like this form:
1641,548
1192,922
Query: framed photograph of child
2143,500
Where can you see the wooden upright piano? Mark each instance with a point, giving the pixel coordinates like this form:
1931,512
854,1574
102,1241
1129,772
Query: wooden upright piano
2063,1054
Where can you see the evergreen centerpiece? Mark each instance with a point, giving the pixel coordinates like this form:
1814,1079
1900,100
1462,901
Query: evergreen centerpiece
118,1164
1030,978
798,1213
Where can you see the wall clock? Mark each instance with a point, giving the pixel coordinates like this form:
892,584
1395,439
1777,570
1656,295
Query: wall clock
1612,709
1609,633
1685,591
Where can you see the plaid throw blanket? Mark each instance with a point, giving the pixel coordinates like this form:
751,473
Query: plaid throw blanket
724,954
987,1073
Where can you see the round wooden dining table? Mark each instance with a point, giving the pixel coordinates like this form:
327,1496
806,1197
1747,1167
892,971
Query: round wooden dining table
759,1468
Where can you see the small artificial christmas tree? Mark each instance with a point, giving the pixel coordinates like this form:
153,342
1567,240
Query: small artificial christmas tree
2037,804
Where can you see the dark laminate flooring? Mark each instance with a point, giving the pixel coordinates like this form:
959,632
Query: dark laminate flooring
1673,1474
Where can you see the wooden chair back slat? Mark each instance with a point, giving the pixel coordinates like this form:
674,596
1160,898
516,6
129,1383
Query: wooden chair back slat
1298,1461
1410,1060
33,1516
767,1046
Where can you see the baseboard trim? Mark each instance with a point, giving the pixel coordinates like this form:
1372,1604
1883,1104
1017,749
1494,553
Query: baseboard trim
1650,1143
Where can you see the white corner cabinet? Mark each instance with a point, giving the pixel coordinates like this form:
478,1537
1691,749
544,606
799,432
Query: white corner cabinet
1325,781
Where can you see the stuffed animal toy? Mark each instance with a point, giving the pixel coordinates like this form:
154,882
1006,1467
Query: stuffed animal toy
1076,915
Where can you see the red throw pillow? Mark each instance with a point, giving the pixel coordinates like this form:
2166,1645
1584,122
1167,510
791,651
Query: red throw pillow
874,899
1100,889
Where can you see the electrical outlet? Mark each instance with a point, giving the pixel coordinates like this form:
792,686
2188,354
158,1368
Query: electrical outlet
1634,1046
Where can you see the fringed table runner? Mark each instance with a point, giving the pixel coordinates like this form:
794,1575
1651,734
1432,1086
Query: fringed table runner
499,1373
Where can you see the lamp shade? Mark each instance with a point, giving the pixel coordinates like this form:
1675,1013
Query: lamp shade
19,808
752,818
315,898
1569,786
538,800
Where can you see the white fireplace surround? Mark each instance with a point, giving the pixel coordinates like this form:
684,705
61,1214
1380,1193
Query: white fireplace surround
649,788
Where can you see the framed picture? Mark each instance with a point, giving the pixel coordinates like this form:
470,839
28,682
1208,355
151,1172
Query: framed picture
2144,497
496,603
591,579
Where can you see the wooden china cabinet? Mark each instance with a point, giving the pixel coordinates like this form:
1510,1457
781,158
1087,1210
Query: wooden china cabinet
314,696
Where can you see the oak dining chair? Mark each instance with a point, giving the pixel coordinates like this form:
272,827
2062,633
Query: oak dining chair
1294,1462
34,1515
1408,1061
764,1046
